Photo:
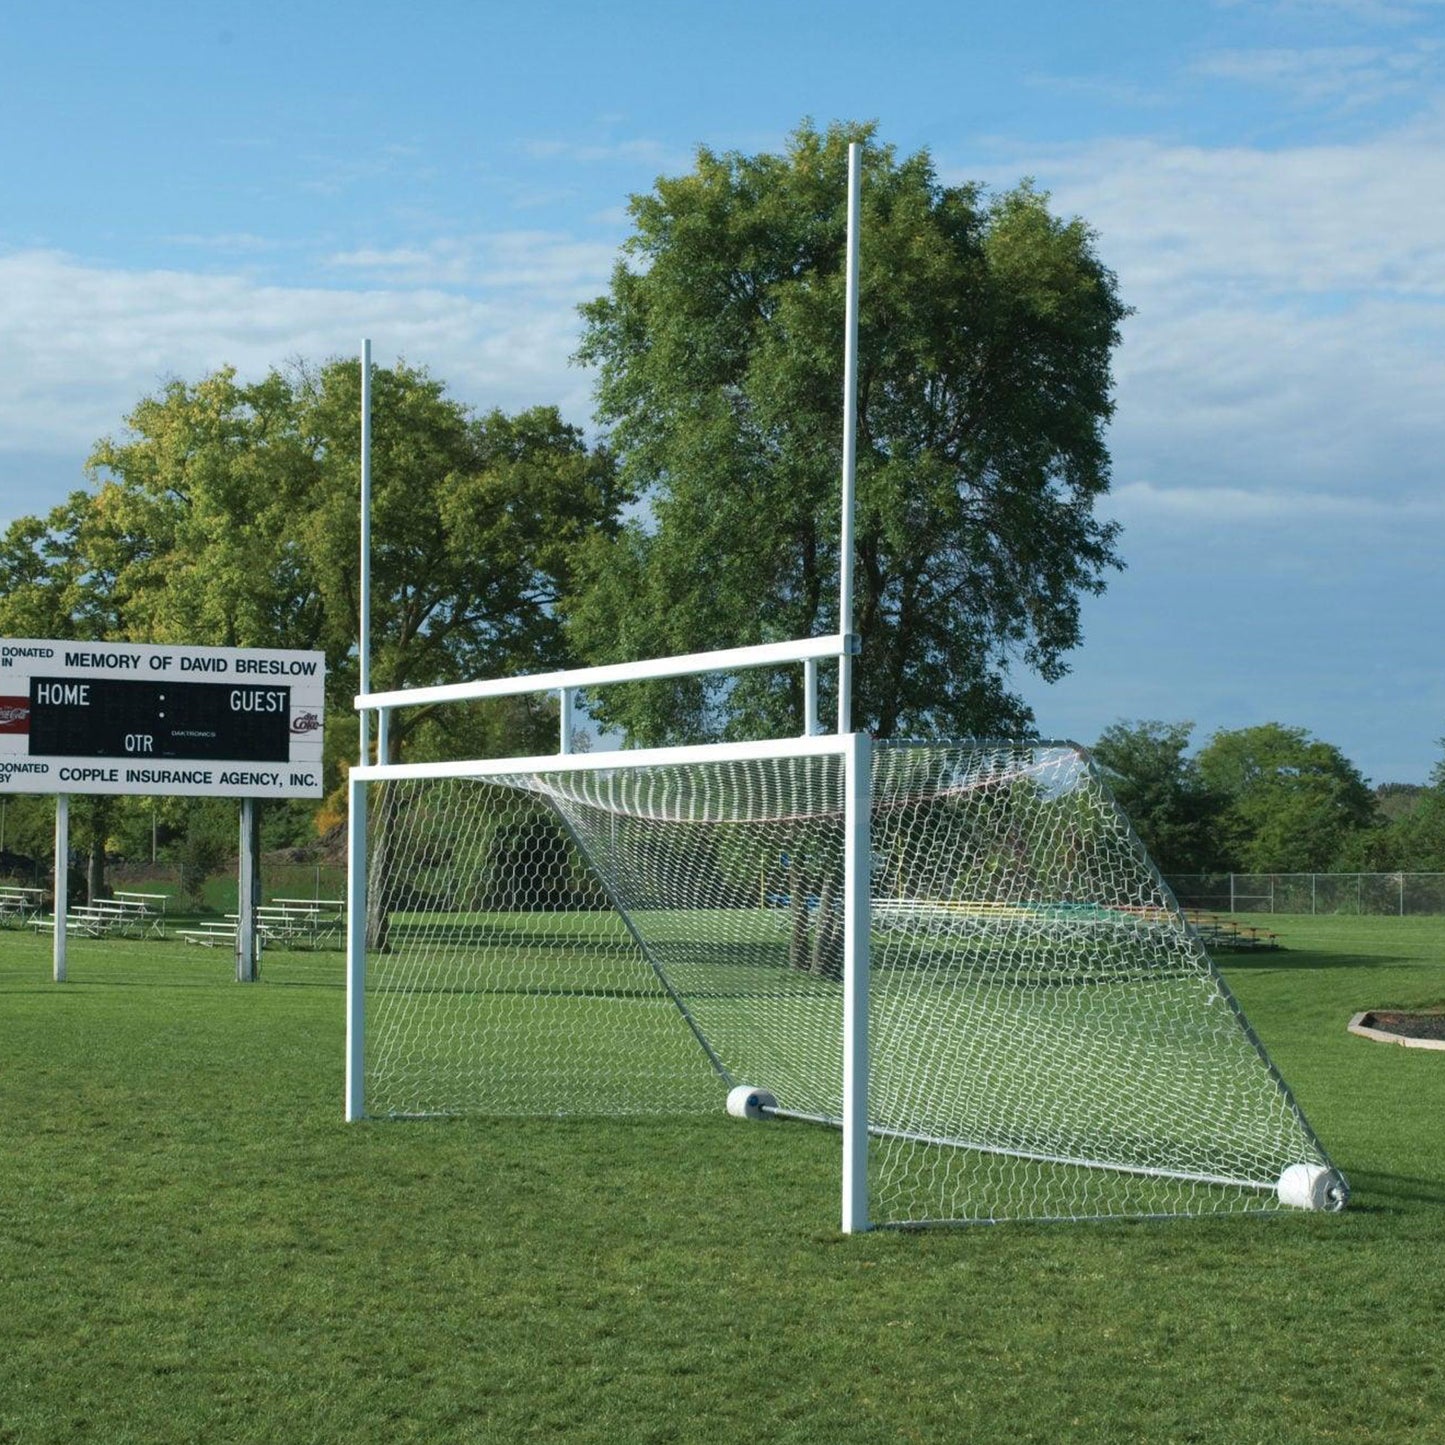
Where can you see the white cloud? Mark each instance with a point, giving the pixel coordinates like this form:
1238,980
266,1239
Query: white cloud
1290,307
630,152
84,343
1344,402
438,261
1097,90
243,242
539,263
334,175
1187,221
1367,12
1348,77
1230,507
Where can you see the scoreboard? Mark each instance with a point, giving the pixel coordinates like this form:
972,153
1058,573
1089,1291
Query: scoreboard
112,718
133,718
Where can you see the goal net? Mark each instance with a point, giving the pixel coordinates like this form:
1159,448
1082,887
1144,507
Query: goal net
1047,1036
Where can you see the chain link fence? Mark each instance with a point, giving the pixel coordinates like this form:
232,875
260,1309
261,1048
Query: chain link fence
188,890
214,891
1400,894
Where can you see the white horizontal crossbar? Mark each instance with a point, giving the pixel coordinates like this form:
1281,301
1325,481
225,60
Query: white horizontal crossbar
821,745
727,659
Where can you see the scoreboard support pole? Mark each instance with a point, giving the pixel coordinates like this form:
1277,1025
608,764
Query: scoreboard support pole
62,879
247,893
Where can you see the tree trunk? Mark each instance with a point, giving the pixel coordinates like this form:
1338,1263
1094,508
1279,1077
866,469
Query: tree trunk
385,804
101,810
827,955
380,831
798,917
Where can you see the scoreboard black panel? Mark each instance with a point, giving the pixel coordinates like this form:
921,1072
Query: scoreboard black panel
194,721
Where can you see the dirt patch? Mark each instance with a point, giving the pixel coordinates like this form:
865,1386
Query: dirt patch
1421,1029
1413,1026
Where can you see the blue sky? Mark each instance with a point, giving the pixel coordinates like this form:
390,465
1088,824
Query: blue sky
186,185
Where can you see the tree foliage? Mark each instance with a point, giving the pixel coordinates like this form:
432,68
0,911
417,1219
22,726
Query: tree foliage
228,515
1269,799
986,331
1163,791
1292,801
1409,835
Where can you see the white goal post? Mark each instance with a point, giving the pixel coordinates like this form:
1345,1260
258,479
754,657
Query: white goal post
853,751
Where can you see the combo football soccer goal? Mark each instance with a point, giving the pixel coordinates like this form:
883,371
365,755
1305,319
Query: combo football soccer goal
957,953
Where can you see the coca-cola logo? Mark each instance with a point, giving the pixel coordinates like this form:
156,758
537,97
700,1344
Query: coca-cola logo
305,722
14,714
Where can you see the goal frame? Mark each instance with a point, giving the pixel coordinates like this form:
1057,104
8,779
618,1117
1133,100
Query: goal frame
855,752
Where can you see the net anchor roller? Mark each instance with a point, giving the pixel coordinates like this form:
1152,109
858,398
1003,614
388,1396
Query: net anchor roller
1313,1186
746,1102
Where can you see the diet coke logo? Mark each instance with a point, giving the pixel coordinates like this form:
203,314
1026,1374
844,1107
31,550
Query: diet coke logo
305,722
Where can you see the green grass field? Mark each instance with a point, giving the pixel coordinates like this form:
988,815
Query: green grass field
193,1247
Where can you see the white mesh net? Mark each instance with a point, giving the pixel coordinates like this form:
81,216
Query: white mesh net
1048,1037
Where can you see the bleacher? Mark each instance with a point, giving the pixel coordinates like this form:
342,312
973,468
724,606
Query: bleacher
1222,934
210,935
282,923
128,915
19,905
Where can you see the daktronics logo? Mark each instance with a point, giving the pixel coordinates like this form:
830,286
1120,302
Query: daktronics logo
305,722
14,714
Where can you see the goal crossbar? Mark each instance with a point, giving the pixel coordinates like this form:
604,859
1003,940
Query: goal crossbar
819,745
690,664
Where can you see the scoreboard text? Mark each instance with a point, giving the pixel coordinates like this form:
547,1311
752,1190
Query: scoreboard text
109,718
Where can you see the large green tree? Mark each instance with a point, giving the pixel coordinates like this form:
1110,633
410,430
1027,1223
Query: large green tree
1173,810
227,514
1293,803
986,331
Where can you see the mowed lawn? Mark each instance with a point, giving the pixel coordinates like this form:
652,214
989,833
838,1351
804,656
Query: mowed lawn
193,1247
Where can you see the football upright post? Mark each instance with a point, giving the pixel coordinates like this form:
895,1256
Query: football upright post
356,812
363,631
857,775
356,856
857,873
850,442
